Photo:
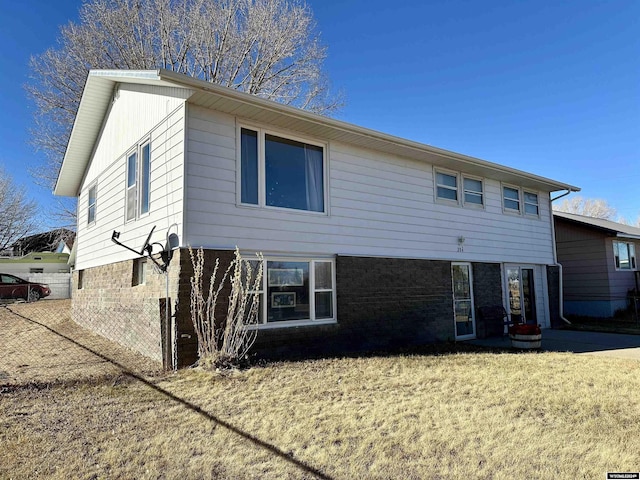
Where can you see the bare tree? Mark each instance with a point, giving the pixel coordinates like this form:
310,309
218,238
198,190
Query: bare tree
589,207
268,48
17,212
224,338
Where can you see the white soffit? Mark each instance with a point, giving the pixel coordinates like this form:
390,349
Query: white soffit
99,90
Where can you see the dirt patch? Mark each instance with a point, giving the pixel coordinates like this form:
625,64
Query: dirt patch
41,344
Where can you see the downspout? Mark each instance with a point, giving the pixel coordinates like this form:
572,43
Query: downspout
555,259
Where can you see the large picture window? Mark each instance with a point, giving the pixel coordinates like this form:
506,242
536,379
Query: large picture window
624,255
281,172
297,291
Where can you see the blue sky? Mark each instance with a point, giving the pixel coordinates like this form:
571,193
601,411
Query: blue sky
550,87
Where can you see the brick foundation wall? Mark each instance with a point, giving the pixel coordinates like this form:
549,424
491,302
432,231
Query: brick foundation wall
382,303
111,306
487,292
187,341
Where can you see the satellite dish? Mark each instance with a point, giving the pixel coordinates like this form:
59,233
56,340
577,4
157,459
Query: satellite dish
173,242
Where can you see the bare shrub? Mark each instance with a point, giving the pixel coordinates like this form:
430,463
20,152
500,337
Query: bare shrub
224,342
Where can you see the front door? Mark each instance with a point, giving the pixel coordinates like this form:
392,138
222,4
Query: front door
522,295
465,322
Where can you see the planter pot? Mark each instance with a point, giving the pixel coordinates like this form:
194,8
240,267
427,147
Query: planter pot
525,342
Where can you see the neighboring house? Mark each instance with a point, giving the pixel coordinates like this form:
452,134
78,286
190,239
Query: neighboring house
59,240
41,262
370,240
599,263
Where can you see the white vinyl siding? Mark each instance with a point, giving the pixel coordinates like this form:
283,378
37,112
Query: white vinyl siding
165,133
380,205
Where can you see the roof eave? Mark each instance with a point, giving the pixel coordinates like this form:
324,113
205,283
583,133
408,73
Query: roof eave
97,96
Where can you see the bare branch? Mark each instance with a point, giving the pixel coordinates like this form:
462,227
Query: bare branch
17,212
267,48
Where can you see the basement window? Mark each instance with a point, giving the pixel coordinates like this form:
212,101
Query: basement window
297,292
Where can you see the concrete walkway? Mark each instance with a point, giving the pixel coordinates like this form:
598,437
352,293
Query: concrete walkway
587,343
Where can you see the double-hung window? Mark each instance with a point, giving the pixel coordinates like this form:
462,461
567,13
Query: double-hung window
624,255
473,191
281,172
458,189
531,206
511,199
138,181
297,291
92,204
447,186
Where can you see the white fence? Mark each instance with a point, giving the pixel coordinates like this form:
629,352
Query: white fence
59,283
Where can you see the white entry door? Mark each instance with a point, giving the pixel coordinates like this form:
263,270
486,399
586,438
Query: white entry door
463,311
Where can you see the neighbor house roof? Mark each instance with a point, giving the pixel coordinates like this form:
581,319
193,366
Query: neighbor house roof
607,226
44,242
99,90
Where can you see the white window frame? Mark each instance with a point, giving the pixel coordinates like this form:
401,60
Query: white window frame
262,197
93,205
525,203
631,251
140,271
312,297
137,150
436,185
464,191
505,209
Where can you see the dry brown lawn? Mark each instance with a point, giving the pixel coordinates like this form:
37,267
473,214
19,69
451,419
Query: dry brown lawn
458,415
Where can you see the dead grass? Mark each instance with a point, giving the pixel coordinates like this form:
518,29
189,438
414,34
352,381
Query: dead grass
464,415
34,348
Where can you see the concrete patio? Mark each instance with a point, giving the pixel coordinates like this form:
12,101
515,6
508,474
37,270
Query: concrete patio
579,342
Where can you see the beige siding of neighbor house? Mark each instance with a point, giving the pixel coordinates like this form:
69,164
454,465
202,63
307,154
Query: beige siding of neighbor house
139,113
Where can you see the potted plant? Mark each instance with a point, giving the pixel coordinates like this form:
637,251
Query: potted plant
525,336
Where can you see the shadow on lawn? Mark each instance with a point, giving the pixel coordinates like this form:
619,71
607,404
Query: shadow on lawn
195,408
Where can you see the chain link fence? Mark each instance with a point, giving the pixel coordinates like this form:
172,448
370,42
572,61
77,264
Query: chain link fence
41,344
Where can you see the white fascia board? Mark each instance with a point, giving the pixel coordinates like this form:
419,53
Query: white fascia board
320,120
98,94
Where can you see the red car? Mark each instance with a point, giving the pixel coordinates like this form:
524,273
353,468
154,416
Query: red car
12,287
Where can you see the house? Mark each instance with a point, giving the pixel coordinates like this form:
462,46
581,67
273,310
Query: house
370,240
40,262
599,263
59,240
46,253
